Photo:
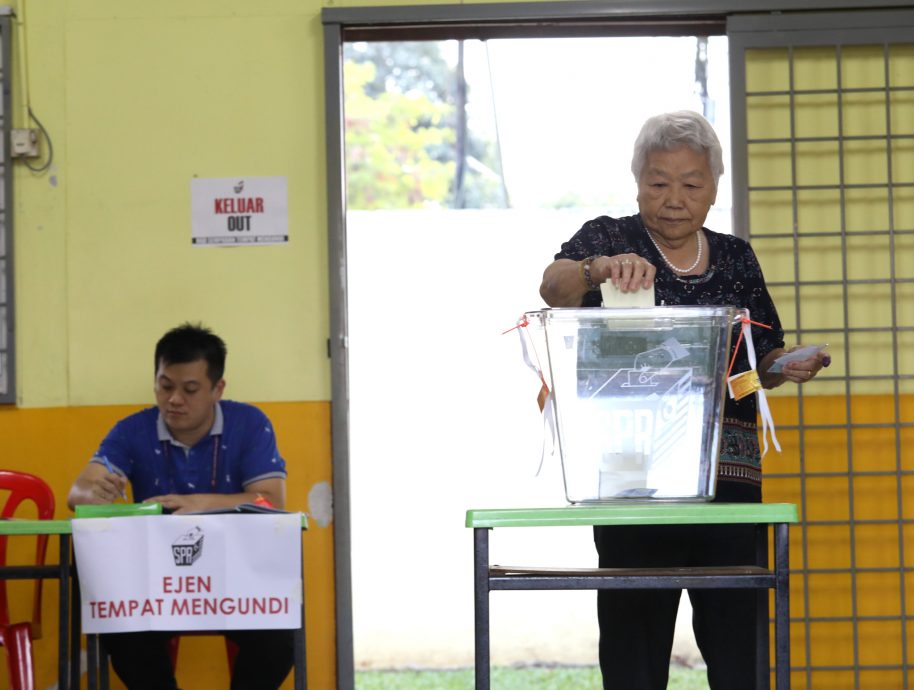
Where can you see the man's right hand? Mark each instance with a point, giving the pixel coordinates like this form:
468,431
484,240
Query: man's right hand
96,486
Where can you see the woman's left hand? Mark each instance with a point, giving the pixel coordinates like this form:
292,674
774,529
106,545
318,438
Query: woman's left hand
805,369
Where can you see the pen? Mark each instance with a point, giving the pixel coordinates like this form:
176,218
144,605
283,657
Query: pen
111,470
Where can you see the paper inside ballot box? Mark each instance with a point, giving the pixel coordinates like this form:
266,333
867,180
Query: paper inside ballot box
645,439
621,472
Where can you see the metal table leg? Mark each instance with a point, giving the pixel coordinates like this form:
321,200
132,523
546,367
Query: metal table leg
762,642
481,586
63,618
102,665
301,669
782,606
92,654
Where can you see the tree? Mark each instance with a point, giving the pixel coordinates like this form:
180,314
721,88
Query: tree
388,139
407,67
405,136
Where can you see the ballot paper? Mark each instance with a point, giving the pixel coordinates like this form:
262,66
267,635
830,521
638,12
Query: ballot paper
614,297
797,355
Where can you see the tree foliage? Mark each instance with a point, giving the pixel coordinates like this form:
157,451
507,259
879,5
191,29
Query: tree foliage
407,67
389,138
401,119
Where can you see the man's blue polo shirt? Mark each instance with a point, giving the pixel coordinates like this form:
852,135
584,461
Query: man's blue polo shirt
240,449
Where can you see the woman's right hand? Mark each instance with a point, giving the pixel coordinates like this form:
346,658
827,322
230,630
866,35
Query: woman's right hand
563,284
628,272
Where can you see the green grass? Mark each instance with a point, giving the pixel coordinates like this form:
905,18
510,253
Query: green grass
510,678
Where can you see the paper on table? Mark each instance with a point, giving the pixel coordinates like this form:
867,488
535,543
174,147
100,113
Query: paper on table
240,508
797,355
613,297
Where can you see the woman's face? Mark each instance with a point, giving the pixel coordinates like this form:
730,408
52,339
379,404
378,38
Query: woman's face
675,192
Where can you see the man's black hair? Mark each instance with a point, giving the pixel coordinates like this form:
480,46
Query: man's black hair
190,342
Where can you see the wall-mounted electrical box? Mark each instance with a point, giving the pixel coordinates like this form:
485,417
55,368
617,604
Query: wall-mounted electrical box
24,143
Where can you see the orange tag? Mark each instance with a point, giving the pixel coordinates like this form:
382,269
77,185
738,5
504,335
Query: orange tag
543,396
741,385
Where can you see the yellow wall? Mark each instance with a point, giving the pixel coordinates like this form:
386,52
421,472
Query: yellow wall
139,98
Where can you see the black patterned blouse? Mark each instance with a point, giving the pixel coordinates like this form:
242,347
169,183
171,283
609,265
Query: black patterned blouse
733,277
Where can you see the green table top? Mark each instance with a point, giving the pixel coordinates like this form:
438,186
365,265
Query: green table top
635,514
15,526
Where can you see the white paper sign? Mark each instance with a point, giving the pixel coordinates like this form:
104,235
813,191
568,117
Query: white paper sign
189,572
238,211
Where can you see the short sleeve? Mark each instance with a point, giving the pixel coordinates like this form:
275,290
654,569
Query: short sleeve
261,458
597,237
116,449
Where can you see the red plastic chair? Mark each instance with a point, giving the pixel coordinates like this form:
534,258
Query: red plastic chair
17,637
18,642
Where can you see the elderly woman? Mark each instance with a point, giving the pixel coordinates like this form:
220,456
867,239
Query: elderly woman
677,163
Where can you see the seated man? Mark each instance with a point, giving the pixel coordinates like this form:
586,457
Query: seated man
192,452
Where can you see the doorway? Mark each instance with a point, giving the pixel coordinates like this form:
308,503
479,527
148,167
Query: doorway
448,229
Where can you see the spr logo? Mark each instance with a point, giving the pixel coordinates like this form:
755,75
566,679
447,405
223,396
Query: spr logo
187,548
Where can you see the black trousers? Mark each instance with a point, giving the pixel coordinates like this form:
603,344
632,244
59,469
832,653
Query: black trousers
141,660
636,626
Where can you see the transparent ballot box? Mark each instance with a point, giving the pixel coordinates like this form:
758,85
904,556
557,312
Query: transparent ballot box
638,398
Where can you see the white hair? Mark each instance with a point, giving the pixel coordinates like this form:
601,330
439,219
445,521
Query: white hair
669,131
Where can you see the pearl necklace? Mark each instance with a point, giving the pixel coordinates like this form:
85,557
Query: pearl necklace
670,263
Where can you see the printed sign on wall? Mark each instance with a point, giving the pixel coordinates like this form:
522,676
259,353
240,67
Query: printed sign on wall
189,572
239,211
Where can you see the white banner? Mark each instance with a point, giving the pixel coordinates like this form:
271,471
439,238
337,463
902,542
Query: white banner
189,572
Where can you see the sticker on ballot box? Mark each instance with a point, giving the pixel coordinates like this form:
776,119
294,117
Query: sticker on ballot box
743,384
